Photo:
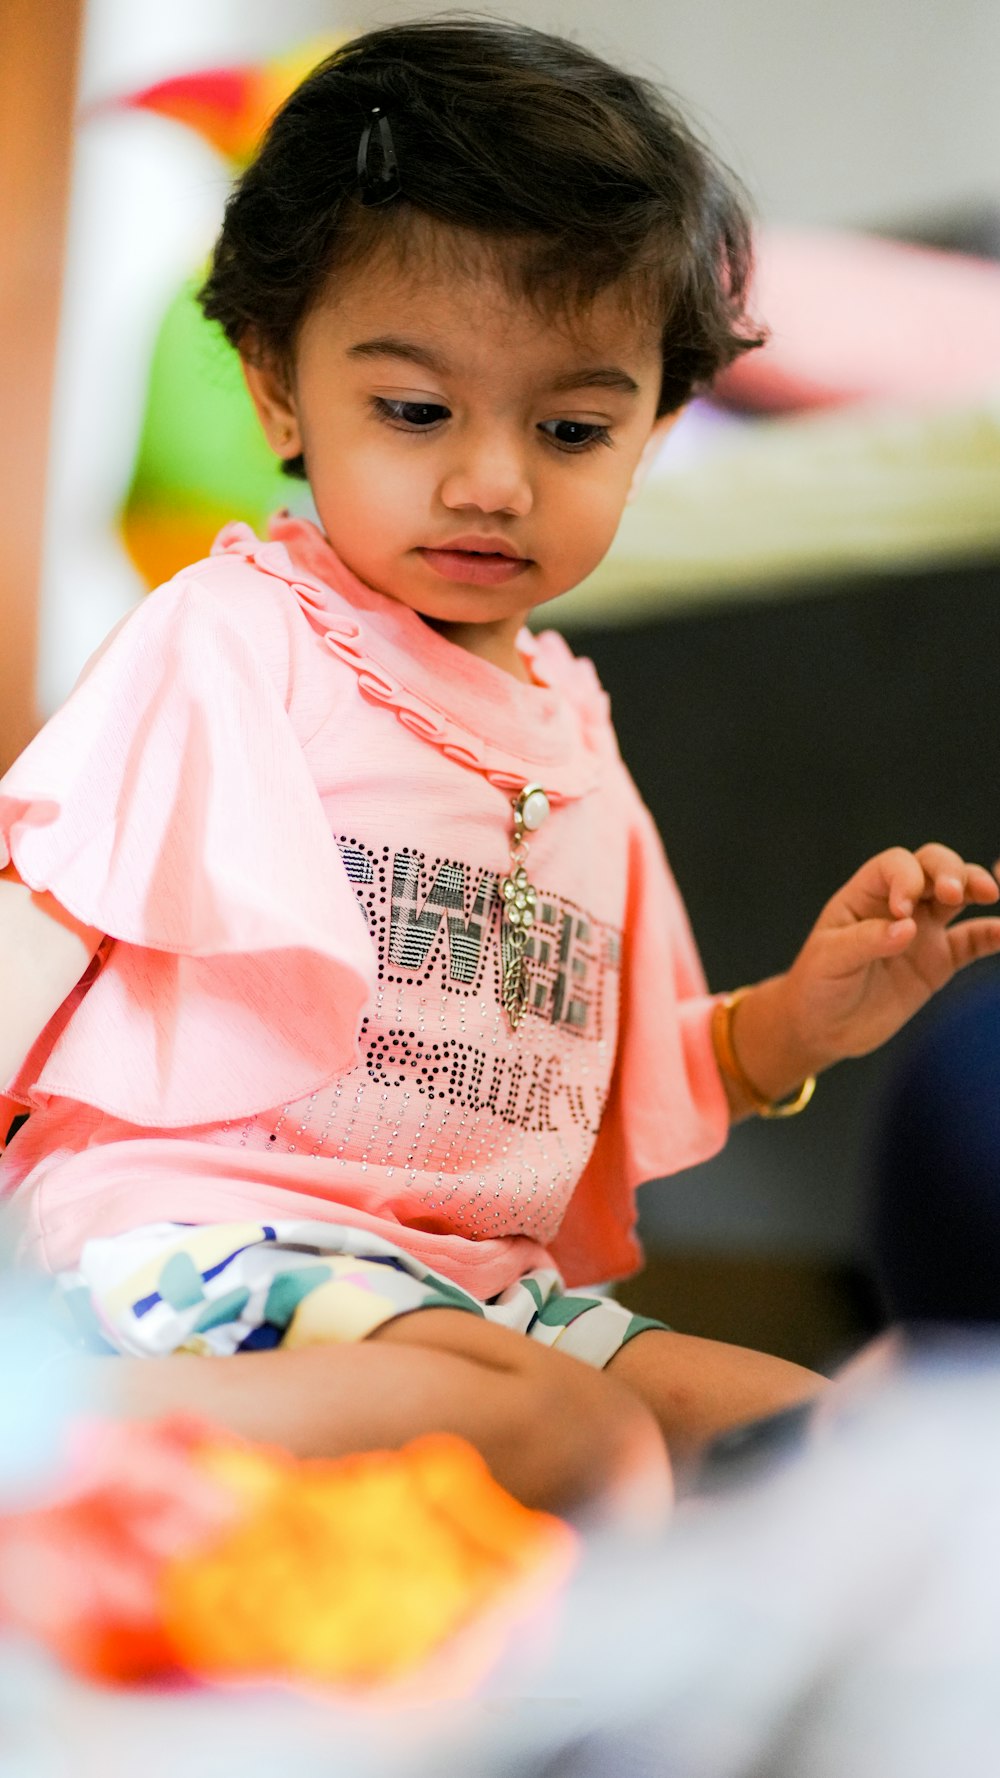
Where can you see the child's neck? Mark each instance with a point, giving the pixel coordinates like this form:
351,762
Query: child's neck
496,643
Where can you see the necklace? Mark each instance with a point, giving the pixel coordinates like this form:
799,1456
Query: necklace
519,898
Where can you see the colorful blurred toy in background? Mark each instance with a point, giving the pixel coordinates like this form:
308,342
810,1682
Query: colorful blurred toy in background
201,458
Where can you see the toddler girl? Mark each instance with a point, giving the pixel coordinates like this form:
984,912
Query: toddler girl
343,973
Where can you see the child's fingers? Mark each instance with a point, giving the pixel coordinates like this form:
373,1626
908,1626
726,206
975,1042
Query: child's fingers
981,885
945,874
973,940
868,941
895,878
875,914
944,878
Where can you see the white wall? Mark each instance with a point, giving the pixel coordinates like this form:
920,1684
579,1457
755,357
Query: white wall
838,111
834,111
841,111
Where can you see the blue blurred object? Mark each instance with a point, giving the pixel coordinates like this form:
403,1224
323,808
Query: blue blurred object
36,1380
935,1220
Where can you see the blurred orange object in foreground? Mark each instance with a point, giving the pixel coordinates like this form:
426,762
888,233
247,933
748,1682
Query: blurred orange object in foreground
177,1549
354,1570
82,1570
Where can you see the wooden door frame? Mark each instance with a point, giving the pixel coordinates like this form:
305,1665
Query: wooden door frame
39,54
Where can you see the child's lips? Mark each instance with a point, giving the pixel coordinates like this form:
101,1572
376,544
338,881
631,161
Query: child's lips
475,567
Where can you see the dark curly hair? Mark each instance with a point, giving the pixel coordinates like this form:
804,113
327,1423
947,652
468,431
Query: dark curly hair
583,175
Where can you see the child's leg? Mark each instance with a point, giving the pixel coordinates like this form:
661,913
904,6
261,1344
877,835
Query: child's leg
555,1432
699,1388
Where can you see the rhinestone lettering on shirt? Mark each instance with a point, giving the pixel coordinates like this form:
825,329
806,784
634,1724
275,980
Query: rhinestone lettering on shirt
444,926
459,1124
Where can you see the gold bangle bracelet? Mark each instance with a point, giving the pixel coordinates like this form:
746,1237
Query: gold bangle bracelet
730,1065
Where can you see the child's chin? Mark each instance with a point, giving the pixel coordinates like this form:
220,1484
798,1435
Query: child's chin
457,604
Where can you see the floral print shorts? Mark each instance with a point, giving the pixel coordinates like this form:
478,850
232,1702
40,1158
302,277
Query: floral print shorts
230,1287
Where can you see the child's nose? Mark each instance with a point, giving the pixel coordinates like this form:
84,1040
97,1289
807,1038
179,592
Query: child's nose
490,473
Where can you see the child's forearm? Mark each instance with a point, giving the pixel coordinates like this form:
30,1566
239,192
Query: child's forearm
44,951
767,1046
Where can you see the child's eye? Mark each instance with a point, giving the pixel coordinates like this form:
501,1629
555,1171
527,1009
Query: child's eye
414,416
575,435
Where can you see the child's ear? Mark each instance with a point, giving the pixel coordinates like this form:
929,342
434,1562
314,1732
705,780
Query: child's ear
650,450
275,404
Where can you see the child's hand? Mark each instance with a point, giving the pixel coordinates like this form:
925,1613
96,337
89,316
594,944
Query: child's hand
883,945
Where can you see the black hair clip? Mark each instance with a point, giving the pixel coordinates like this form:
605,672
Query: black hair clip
378,168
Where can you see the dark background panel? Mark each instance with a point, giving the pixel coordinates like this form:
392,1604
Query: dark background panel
780,743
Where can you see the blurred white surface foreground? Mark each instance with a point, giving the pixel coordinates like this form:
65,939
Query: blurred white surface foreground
838,1620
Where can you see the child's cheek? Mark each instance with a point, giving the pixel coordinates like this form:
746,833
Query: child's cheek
369,496
591,527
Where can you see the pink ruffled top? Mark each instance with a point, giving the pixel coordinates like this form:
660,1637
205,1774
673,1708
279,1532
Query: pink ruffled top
286,801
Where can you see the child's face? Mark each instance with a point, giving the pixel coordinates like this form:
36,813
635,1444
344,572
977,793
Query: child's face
465,457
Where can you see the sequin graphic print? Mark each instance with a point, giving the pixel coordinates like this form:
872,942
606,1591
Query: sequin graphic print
418,921
445,926
484,1130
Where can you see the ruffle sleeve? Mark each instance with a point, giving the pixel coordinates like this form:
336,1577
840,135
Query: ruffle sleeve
169,804
667,1107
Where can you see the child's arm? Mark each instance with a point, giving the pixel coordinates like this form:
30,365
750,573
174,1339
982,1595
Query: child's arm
881,947
43,953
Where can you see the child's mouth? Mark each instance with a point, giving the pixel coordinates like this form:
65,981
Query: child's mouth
475,567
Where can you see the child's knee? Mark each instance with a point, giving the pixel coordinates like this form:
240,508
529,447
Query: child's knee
613,1439
571,1437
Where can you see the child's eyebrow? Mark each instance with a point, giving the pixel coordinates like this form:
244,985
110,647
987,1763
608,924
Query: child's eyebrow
387,346
602,376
